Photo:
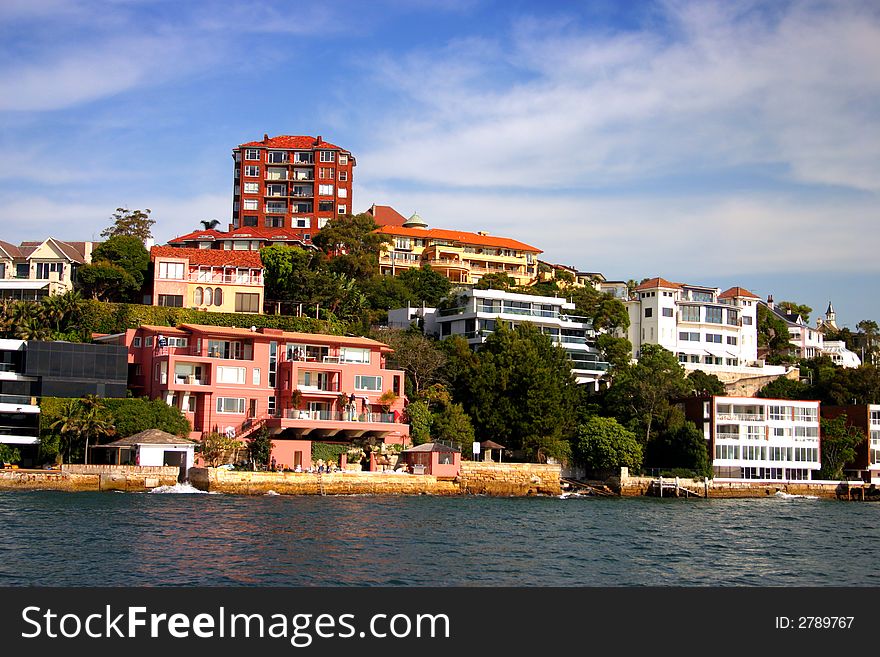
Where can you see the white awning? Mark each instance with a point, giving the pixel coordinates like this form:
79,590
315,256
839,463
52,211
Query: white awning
19,440
15,284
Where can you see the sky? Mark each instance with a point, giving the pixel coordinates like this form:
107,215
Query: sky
714,143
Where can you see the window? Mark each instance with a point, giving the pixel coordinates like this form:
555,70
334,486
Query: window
402,243
209,296
251,204
252,154
218,297
353,355
274,222
249,221
198,295
805,414
714,315
230,404
779,412
341,209
325,206
690,313
343,159
733,317
255,376
328,156
149,341
326,173
325,190
649,312
247,302
689,336
667,312
233,375
755,433
731,339
713,337
191,404
727,452
276,157
171,270
171,300
252,171
370,383
136,342
342,192
177,342
251,188
43,269
343,175
302,222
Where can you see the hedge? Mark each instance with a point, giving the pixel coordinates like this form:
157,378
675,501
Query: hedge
105,317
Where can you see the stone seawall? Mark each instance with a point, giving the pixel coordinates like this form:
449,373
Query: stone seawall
89,478
505,479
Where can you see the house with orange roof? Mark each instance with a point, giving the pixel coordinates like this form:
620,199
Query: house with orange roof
290,181
463,257
211,280
243,239
33,270
705,328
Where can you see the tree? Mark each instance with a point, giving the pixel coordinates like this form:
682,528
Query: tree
495,281
616,351
354,245
705,384
210,224
133,415
839,444
773,332
785,388
217,449
126,251
682,446
793,308
426,285
868,330
260,447
134,223
419,356
418,415
452,425
518,389
104,281
641,393
9,454
602,443
609,314
82,419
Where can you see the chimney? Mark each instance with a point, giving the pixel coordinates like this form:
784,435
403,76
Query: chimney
770,301
265,138
318,140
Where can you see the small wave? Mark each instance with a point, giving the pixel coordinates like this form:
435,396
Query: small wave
272,492
790,496
183,488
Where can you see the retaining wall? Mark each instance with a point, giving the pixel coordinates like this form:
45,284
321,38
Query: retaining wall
517,479
73,478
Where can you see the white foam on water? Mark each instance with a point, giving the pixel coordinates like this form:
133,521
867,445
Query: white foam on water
184,489
272,492
789,496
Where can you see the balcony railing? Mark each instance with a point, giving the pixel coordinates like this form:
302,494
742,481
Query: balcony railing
21,400
336,416
727,436
189,380
229,280
276,209
328,387
749,417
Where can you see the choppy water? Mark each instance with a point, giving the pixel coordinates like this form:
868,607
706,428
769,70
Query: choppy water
110,539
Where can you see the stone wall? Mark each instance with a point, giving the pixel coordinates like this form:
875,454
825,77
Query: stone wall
750,385
517,479
90,478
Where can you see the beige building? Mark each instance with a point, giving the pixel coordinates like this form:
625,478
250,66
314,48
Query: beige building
33,270
464,258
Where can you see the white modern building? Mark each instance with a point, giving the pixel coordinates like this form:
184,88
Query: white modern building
759,439
707,329
19,412
477,313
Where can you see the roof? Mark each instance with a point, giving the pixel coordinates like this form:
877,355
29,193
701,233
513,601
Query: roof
150,437
12,250
737,292
431,447
491,444
210,257
74,251
458,236
244,233
385,215
303,142
344,340
653,283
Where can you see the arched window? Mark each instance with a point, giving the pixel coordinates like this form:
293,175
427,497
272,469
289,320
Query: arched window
218,297
209,296
197,297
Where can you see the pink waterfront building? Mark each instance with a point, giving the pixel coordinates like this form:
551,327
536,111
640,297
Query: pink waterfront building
303,387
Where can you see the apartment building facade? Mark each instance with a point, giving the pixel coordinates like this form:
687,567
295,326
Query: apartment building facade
865,418
706,328
300,386
749,438
462,257
207,279
243,239
290,181
33,270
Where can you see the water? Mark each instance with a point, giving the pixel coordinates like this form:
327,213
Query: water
107,539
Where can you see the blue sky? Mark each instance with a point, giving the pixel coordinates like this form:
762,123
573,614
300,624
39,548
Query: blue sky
717,143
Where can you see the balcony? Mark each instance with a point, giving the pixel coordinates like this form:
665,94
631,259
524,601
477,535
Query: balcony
217,279
726,436
747,417
276,209
337,416
189,380
327,387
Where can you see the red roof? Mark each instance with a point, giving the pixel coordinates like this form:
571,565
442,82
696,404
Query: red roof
385,215
654,283
737,292
243,233
301,142
210,257
458,236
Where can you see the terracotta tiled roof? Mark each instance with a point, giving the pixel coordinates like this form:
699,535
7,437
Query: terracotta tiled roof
293,336
199,235
654,283
210,257
74,251
243,233
11,249
385,215
737,292
458,236
303,142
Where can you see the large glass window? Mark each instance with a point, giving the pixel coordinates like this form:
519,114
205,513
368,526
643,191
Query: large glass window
230,405
171,270
370,383
690,313
354,355
171,300
247,302
714,315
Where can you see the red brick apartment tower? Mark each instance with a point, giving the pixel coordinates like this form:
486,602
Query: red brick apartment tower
296,182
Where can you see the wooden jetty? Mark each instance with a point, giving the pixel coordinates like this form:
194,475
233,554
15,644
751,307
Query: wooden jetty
661,487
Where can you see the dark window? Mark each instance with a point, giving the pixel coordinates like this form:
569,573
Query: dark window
649,312
250,221
171,300
667,312
247,303
325,206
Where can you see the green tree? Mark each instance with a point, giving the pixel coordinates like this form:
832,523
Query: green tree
133,415
616,351
609,314
495,281
419,356
218,449
9,454
518,390
785,388
82,420
104,281
126,251
681,447
419,416
773,332
867,335
839,444
452,425
426,285
353,243
705,384
134,223
793,308
602,443
260,447
641,393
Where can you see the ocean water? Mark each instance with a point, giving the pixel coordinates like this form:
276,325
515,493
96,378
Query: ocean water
175,539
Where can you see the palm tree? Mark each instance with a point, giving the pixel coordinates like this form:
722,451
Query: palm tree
210,224
80,420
